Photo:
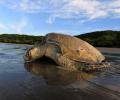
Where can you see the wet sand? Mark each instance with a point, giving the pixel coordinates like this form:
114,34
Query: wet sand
44,81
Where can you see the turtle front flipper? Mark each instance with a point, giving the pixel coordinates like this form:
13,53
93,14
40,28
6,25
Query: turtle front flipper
66,63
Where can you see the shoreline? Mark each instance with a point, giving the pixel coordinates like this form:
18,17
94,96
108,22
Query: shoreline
17,43
109,50
101,49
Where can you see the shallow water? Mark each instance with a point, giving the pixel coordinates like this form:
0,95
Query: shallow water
43,81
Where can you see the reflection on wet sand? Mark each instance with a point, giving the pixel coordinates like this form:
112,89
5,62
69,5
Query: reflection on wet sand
81,85
54,75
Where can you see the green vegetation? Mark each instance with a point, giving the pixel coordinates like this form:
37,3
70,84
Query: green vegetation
107,38
20,39
99,38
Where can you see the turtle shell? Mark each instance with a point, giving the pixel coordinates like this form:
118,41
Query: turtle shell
75,49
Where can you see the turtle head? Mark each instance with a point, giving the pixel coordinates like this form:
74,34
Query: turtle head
34,53
29,54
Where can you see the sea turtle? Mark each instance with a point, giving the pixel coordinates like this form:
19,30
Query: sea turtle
69,52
